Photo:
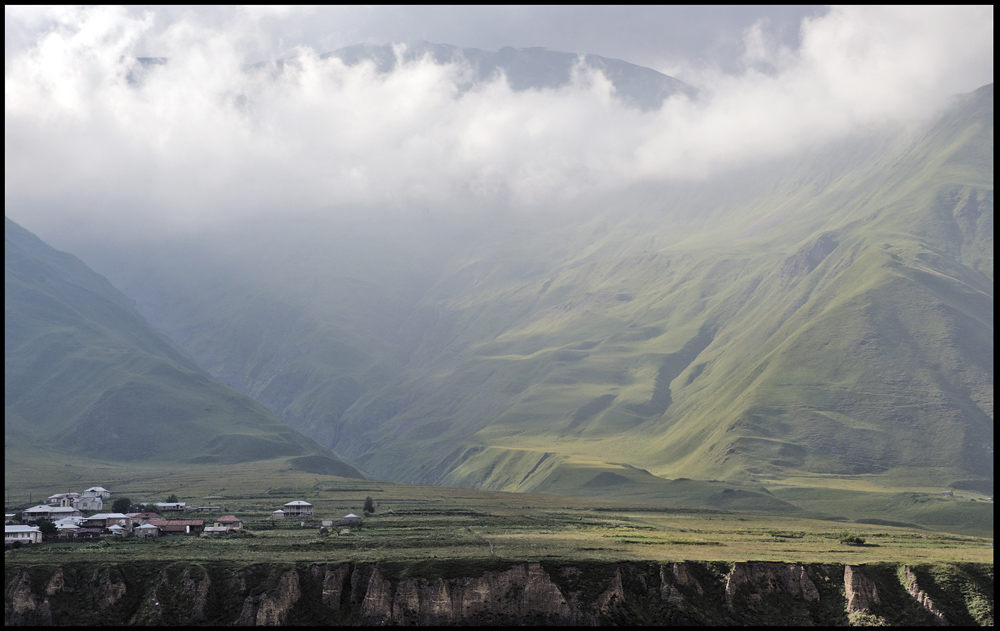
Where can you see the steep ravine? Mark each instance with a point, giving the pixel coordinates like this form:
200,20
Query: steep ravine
498,593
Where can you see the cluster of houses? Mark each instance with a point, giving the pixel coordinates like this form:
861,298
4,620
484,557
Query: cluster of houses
66,511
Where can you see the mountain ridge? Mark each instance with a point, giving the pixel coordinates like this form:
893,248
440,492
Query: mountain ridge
86,375
823,318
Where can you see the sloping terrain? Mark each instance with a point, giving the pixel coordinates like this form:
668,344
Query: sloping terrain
825,320
85,376
838,325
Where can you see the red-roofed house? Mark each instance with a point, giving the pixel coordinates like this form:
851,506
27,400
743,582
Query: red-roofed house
229,522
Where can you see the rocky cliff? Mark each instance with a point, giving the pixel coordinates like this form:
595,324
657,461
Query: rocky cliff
497,593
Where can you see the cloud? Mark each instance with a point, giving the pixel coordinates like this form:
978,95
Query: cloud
203,139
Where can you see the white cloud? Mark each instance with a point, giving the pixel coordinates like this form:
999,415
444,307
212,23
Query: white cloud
201,139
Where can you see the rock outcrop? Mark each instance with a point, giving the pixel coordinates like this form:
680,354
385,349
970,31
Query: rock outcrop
494,593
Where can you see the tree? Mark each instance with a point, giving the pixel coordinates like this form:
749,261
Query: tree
172,499
121,505
47,527
369,505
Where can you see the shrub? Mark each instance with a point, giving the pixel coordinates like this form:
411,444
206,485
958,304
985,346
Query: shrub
849,539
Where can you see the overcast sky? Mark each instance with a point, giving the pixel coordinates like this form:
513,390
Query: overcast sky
201,141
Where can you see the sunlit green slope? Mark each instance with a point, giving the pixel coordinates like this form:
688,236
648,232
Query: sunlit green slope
835,320
824,321
84,375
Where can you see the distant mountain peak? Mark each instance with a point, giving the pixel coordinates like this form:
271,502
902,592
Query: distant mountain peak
535,67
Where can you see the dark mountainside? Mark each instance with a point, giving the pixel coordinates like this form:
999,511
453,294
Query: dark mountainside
85,375
450,593
825,319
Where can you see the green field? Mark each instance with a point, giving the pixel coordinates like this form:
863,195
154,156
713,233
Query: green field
414,522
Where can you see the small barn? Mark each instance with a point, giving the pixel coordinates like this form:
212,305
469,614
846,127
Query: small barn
180,526
349,520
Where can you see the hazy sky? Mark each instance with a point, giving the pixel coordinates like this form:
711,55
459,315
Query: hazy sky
201,141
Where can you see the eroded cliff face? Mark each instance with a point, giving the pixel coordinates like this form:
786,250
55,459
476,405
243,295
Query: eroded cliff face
496,593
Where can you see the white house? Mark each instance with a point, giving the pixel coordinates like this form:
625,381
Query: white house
42,511
23,534
61,512
171,507
278,514
62,499
99,491
89,502
298,508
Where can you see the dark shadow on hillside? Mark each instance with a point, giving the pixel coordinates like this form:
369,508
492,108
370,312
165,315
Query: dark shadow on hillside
670,368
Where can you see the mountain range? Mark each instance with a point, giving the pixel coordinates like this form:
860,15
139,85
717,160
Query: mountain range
820,321
85,377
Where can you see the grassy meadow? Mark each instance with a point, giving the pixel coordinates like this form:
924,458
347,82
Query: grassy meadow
438,524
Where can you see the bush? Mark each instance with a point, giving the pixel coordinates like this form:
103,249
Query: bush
369,505
849,539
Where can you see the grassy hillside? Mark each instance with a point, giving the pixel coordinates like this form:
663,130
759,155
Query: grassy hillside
84,375
821,322
839,325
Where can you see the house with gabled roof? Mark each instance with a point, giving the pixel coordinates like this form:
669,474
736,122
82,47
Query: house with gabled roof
107,520
43,511
99,491
21,534
89,502
229,522
147,531
298,508
62,499
33,514
142,518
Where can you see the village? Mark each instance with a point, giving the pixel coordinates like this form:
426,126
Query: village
79,517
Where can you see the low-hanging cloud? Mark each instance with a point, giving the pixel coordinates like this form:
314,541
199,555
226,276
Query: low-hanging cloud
204,138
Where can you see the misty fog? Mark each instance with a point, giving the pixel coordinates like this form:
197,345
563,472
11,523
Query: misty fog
98,140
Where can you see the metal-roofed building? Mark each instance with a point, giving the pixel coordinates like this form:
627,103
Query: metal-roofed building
21,534
298,508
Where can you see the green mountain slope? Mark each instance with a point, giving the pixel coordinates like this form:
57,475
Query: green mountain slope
833,324
84,375
825,321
